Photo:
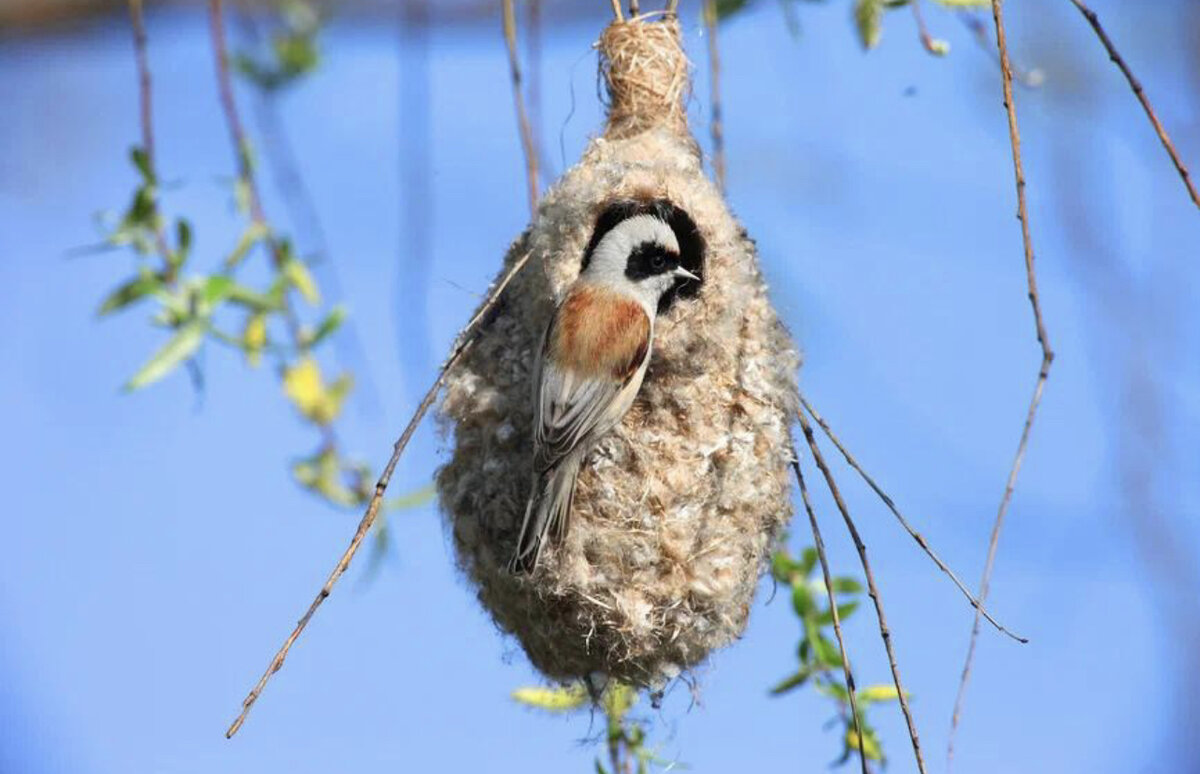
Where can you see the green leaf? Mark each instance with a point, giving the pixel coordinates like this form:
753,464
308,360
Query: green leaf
561,699
180,347
128,292
783,566
331,323
871,748
792,682
827,652
876,693
183,242
868,18
802,600
216,289
413,499
253,234
727,8
618,700
141,160
846,586
254,337
844,611
808,560
302,280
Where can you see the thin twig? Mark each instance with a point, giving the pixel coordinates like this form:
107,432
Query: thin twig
466,338
1140,93
1031,79
146,115
716,126
618,14
884,633
917,536
837,619
923,31
634,8
527,144
1014,135
672,8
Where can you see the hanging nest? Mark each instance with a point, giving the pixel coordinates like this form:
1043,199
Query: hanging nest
678,509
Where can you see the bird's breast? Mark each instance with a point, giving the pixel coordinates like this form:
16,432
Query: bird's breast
597,332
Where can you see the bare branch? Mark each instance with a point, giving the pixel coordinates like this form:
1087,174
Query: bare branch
716,126
1014,134
466,338
618,14
917,536
1140,93
927,40
527,144
833,607
884,633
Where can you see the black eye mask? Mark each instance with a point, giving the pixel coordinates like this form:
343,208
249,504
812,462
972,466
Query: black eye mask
691,244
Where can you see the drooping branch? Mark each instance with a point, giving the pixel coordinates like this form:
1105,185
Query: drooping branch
851,689
716,125
917,536
1140,93
1043,373
884,632
466,339
528,146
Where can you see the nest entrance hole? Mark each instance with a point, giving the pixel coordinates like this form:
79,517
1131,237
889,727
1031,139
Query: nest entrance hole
691,243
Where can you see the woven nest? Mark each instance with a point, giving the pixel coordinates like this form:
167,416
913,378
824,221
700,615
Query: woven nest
679,507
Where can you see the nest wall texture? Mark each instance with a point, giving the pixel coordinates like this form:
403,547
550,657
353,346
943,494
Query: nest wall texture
678,508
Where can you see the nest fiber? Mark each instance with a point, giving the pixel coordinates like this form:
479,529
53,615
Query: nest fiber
678,508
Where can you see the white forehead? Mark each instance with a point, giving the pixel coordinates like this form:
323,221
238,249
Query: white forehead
643,228
612,252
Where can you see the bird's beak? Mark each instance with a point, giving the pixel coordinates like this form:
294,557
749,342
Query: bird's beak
685,274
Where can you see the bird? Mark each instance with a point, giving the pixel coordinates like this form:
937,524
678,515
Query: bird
591,365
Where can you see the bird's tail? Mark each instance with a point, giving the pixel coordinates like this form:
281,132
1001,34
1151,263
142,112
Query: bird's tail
547,514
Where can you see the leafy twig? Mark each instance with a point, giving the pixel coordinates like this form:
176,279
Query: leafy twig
884,633
833,608
1140,93
1014,135
465,340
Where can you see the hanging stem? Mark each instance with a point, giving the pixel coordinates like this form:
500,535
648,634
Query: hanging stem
1043,374
527,144
884,632
833,607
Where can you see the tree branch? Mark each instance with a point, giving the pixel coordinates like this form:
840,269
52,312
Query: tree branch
1014,134
716,126
884,633
466,338
833,607
527,144
917,536
1140,93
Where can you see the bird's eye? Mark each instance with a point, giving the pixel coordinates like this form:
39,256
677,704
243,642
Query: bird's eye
658,261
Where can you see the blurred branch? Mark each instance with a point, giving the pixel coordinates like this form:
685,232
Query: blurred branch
146,119
466,338
714,84
1043,374
290,184
833,608
884,633
514,64
1140,93
917,536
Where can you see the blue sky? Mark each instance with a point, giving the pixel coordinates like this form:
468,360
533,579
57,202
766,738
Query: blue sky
156,550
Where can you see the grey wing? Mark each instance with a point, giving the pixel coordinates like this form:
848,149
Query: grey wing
569,408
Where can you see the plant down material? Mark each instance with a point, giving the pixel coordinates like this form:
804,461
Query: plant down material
677,510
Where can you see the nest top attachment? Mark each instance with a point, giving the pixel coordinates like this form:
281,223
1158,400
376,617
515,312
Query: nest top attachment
646,75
